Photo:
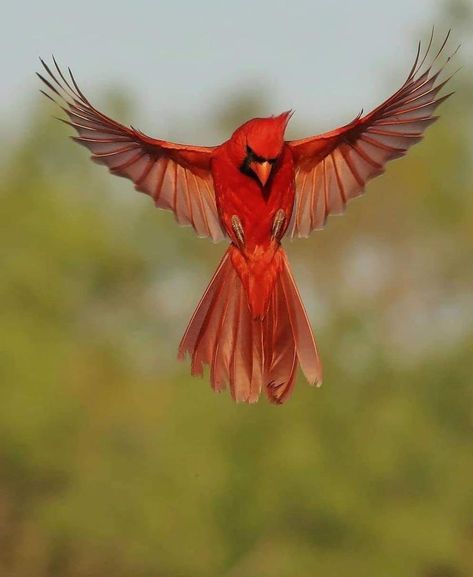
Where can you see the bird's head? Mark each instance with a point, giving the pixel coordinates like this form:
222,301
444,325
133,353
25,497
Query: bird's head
257,145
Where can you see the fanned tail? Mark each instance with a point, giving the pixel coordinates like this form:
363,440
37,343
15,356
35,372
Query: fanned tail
247,354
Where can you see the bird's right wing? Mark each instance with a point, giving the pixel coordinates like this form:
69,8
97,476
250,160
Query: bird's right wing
176,176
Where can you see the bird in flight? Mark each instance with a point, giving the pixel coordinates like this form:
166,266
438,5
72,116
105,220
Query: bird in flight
254,190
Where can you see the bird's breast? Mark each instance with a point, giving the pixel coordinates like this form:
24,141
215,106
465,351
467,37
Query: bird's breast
239,195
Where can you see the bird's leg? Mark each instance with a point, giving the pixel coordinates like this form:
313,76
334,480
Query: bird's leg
278,224
238,230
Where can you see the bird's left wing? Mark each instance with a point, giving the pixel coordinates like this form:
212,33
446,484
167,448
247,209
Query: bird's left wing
176,176
333,168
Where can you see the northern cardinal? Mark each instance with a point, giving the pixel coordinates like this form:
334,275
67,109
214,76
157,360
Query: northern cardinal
250,326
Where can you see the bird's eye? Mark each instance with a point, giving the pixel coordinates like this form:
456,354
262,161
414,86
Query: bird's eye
249,152
272,160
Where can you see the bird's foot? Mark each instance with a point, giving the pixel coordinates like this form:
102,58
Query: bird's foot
238,230
278,224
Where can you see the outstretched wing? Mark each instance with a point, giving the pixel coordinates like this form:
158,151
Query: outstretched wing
333,168
176,176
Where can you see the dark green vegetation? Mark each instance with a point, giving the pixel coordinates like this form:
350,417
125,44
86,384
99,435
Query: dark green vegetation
113,461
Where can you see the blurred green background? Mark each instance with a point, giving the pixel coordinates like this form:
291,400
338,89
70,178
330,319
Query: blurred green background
113,461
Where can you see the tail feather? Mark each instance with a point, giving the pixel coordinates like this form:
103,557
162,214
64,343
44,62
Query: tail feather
217,365
247,354
244,382
303,336
196,329
280,351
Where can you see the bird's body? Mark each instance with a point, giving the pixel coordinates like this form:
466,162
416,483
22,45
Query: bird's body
250,326
255,206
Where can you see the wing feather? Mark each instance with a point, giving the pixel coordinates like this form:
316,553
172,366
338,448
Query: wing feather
176,176
334,167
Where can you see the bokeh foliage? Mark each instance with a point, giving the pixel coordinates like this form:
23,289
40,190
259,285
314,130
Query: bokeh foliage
113,461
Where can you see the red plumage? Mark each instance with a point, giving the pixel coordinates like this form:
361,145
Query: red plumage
250,326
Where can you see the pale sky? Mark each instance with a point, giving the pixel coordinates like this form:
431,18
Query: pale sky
181,60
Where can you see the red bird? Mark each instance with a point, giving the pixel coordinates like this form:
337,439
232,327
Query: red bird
250,326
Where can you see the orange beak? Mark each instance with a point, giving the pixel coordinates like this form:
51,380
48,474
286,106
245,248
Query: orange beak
262,171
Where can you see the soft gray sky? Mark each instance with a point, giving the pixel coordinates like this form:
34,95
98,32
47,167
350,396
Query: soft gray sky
179,60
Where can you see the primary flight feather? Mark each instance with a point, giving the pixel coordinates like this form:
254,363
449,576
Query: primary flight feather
250,326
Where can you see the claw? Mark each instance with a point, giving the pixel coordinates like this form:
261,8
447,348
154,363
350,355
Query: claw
238,230
278,224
